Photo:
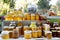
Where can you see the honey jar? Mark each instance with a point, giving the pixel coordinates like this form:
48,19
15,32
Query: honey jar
49,34
39,33
10,34
26,28
20,17
39,28
15,18
37,17
27,34
34,34
5,34
11,28
32,16
28,16
34,28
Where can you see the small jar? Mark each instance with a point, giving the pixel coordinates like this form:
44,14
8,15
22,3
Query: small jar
5,34
26,28
32,16
28,16
37,17
15,33
39,33
34,28
49,34
27,34
54,32
10,34
58,33
19,30
34,34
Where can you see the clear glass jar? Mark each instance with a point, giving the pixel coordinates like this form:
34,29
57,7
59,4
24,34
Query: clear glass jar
5,34
32,16
15,33
27,34
34,34
10,34
39,33
49,34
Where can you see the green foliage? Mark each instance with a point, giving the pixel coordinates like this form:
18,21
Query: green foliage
6,1
43,4
12,4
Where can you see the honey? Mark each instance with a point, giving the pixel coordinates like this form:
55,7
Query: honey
37,17
39,33
28,16
34,34
5,34
27,34
10,34
49,35
32,16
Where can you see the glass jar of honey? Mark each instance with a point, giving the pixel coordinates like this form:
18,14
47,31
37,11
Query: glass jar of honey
39,33
15,33
34,34
5,34
15,17
32,16
10,34
28,16
27,34
39,28
34,28
49,34
11,28
20,17
26,28
37,17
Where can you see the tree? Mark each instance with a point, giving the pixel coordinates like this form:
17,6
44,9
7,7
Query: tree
43,5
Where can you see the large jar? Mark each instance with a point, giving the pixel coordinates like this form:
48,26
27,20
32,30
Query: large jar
27,34
34,34
5,34
15,33
32,16
39,33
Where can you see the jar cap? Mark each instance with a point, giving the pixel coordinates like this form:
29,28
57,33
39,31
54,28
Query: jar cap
28,31
5,32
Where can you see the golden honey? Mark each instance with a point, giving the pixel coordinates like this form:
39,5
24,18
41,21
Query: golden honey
39,33
27,34
28,16
34,34
32,16
37,17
